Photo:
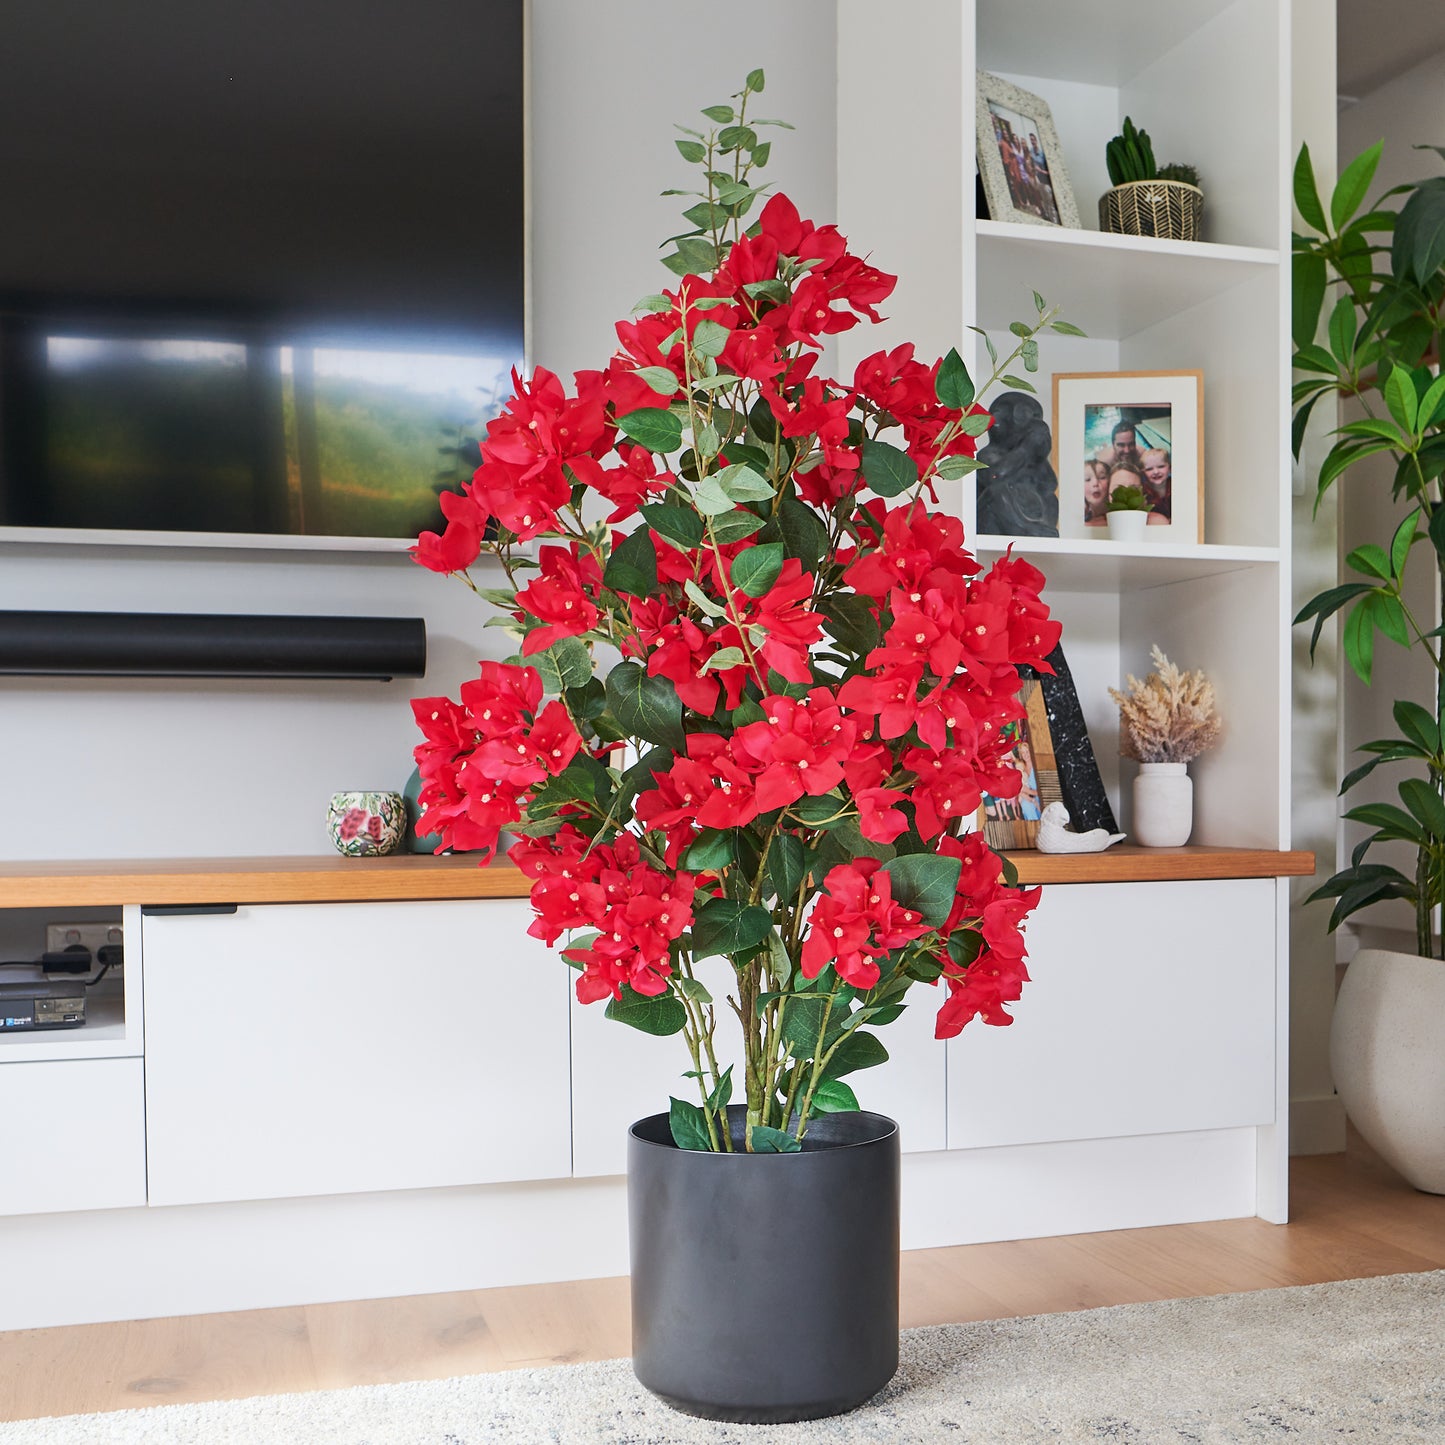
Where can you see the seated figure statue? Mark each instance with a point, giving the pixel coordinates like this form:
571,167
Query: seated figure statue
1018,494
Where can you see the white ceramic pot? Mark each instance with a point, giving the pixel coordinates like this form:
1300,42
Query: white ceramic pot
1127,526
1387,1053
1163,805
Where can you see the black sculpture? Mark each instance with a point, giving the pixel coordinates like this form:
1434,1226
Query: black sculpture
1018,494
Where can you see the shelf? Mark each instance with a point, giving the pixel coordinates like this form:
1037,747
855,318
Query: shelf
1099,565
102,1037
1092,44
1129,863
1111,286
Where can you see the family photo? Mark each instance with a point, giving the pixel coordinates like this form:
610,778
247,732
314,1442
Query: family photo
1128,446
1014,822
1026,167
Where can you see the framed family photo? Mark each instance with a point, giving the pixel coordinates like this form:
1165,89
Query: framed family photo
1141,429
1014,822
1020,163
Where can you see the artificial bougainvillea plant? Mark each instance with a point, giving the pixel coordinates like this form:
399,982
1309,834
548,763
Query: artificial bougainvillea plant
761,683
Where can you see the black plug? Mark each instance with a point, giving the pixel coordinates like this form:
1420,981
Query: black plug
74,959
111,955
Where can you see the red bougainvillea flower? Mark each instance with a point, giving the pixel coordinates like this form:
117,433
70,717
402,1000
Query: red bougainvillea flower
561,597
799,749
461,544
855,922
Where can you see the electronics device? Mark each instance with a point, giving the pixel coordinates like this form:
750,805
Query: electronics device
42,1004
262,266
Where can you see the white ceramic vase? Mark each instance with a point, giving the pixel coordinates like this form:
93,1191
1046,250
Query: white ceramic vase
1126,526
1387,1053
1163,805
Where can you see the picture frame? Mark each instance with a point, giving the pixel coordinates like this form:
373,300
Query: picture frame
1020,162
1014,822
1130,428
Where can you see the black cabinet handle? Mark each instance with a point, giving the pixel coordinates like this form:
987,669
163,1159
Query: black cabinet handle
178,910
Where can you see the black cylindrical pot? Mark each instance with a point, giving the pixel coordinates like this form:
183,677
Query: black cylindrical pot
765,1286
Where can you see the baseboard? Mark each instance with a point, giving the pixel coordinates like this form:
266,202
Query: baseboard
1317,1125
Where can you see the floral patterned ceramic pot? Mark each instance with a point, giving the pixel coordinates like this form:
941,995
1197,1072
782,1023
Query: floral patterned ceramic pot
363,825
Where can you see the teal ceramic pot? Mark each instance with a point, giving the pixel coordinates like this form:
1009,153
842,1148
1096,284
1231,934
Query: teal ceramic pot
416,841
366,824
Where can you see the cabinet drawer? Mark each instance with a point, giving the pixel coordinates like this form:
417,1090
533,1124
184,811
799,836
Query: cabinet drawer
342,1048
72,1135
1151,1011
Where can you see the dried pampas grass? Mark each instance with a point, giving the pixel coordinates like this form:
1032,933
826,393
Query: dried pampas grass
1170,717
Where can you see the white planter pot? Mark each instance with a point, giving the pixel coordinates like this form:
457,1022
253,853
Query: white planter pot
1387,1053
1163,805
1127,526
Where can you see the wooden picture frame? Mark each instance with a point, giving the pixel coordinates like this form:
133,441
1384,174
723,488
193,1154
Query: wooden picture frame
1020,161
1014,822
1138,428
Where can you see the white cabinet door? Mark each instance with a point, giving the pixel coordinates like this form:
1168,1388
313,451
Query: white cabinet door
346,1047
72,1136
620,1075
1151,1011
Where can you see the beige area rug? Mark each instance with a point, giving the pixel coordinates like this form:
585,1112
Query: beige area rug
1363,1360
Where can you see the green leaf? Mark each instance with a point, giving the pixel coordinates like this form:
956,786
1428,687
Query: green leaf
712,850
1389,820
726,926
833,1096
652,427
785,865
804,535
950,469
678,525
954,386
719,114
655,302
1354,181
706,441
1066,328
632,567
691,151
567,663
1359,640
1400,397
888,470
1418,246
1425,803
688,1126
1306,194
1308,277
692,989
1401,542
710,499
754,82
709,338
737,138
767,1140
926,883
722,1094
974,424
1342,332
661,1016
1418,724
756,569
857,1051
709,606
734,526
1019,384
761,152
647,707
1432,404
849,618
659,378
740,482
1370,559
724,658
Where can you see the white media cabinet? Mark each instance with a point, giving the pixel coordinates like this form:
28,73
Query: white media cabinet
366,1080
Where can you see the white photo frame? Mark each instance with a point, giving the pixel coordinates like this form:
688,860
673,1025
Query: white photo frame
1020,161
1124,420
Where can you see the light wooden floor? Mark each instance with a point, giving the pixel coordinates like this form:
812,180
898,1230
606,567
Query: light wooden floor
1351,1218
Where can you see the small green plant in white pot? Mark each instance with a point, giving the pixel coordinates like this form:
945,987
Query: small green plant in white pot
1127,514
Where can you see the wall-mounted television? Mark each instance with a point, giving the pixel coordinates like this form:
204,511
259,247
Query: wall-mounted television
262,266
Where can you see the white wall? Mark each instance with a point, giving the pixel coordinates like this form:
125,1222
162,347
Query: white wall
116,769
1317,1120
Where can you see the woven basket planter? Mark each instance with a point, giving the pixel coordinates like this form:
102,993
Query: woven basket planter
1171,209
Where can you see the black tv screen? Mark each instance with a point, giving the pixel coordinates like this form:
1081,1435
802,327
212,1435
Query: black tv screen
261,265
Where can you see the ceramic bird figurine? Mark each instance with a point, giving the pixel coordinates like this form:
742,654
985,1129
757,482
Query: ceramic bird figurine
1054,835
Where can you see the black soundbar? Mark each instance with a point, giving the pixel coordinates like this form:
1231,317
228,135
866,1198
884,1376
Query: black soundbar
158,644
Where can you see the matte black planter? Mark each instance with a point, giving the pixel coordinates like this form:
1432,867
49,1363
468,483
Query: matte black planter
765,1286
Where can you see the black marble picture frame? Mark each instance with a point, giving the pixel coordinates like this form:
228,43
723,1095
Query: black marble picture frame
1080,784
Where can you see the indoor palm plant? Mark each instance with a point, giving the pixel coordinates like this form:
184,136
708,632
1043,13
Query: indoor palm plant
1381,353
760,688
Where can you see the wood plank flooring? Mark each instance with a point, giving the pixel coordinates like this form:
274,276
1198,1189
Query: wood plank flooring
1351,1217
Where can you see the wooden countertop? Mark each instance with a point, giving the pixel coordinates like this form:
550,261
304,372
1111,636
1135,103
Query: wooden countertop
331,878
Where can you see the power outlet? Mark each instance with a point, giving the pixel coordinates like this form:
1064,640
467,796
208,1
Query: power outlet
60,936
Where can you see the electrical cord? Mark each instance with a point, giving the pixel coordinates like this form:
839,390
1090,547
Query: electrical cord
107,956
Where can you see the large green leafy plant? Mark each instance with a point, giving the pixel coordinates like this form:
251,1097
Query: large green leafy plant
1381,351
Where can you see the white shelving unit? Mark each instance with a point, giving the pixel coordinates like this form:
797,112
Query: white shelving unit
1183,70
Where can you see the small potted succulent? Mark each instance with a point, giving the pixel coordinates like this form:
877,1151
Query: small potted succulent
1149,199
1127,514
